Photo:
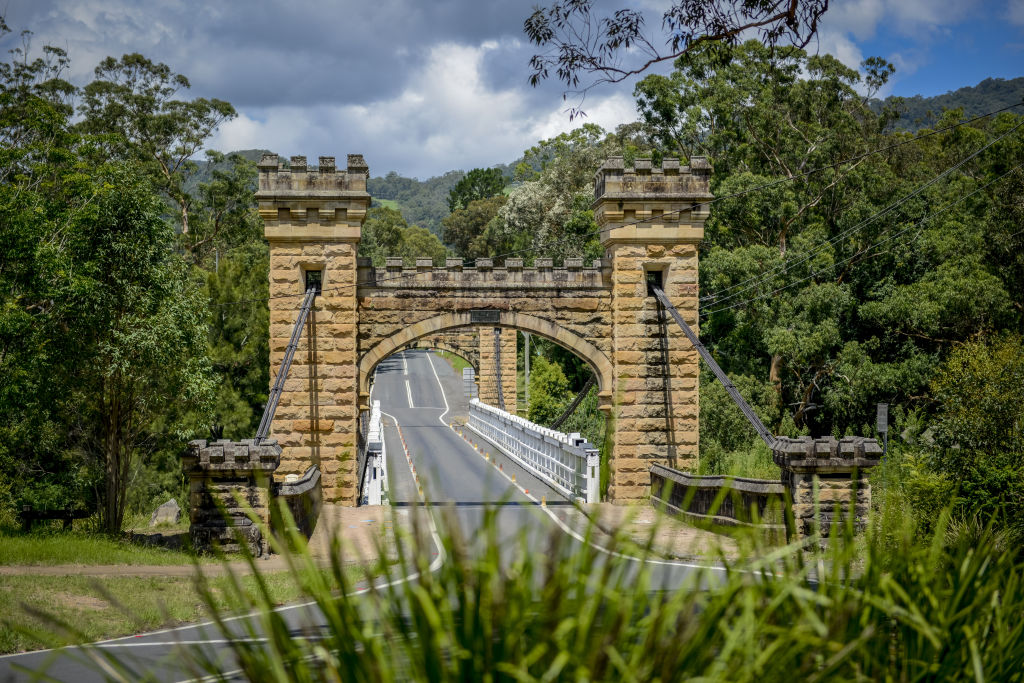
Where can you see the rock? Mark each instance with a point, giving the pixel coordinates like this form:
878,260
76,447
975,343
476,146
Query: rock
168,513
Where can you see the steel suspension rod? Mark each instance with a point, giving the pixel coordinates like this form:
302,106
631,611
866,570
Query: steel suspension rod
733,392
286,364
575,403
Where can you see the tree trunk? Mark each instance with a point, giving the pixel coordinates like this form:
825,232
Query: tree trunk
775,377
184,218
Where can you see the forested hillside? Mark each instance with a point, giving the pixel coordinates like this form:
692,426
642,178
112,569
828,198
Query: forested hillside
846,262
422,202
919,112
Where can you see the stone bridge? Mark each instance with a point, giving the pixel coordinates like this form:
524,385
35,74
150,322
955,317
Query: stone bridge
651,220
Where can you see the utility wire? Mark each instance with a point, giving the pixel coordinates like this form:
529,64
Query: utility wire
784,267
592,233
866,249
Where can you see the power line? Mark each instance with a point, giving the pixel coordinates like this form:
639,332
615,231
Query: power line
866,249
782,268
756,188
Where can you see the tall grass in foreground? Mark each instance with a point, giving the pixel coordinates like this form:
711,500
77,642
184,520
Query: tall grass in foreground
559,610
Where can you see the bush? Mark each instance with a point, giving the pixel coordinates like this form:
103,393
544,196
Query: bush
554,609
549,391
980,427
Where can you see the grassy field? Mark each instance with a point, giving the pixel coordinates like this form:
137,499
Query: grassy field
387,203
82,548
457,362
108,607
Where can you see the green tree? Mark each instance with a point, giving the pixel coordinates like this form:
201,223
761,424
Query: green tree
132,102
549,391
143,326
385,233
239,338
463,228
549,215
980,427
480,183
42,192
381,234
419,242
223,215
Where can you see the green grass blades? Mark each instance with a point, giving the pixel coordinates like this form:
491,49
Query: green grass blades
550,608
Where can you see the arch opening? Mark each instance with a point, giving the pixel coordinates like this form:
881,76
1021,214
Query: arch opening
599,363
427,342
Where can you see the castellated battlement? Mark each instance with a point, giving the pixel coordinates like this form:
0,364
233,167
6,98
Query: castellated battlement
324,197
484,274
649,202
616,180
298,178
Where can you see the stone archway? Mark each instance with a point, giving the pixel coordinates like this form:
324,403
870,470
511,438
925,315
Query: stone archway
651,220
599,363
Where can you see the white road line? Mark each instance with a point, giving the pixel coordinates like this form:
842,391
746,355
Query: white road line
405,365
430,359
118,641
408,393
564,527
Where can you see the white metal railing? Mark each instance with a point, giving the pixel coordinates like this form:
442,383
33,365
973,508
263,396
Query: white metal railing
469,383
566,462
375,479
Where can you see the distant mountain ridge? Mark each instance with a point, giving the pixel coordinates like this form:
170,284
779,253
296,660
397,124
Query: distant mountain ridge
922,112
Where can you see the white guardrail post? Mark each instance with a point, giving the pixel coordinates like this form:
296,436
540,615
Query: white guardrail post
375,482
566,462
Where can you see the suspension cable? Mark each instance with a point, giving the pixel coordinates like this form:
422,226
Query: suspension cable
733,392
286,364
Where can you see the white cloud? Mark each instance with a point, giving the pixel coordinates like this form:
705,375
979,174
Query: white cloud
447,117
1015,11
841,47
912,18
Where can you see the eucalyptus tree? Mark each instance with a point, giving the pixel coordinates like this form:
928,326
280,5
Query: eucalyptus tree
579,45
132,103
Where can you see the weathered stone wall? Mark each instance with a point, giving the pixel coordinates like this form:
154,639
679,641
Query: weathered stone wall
569,305
303,496
721,500
488,371
225,477
312,221
827,479
652,220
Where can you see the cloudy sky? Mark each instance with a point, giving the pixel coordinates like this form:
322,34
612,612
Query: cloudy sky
425,86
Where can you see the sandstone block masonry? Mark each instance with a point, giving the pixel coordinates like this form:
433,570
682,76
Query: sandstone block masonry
490,371
827,479
312,221
225,478
651,219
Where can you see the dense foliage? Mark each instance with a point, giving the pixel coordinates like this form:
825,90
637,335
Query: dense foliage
480,183
424,203
104,318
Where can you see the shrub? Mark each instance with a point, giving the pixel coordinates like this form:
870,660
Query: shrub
553,609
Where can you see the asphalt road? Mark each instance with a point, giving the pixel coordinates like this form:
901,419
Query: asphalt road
420,395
